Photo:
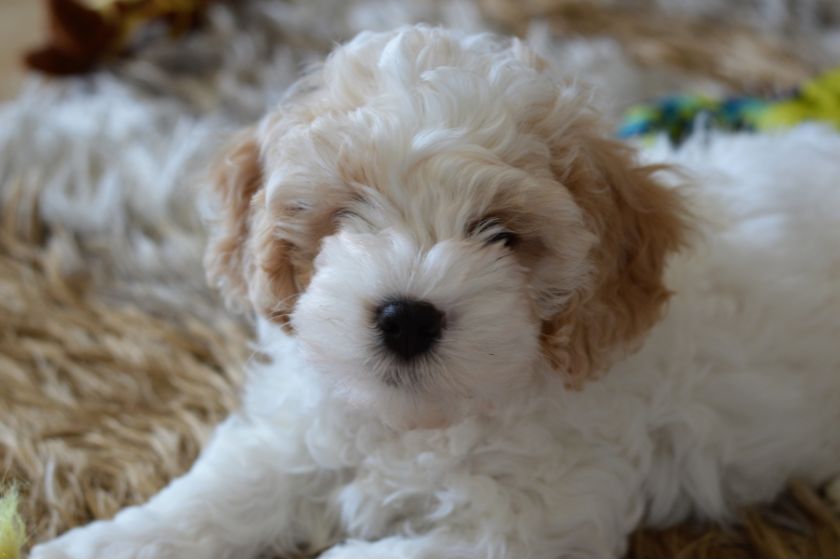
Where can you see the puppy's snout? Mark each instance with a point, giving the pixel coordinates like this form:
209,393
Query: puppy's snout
409,327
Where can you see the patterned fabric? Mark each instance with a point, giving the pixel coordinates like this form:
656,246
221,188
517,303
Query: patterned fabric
679,116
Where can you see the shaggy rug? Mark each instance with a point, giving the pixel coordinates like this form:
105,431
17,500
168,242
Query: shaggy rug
115,358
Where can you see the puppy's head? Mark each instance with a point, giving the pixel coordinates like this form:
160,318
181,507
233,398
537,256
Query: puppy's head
433,216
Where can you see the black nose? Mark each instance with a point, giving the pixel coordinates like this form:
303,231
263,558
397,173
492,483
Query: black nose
409,327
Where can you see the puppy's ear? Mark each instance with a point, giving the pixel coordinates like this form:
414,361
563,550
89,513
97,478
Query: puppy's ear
236,181
638,224
244,259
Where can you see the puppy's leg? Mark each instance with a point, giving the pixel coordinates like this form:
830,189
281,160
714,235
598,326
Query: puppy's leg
420,546
587,511
470,543
437,545
239,499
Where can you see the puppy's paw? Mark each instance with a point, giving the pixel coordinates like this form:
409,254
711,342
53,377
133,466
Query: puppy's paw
349,549
390,547
101,539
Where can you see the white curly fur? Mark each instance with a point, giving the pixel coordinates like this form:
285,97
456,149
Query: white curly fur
733,392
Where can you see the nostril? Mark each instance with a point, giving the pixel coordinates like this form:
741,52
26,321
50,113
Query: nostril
389,319
409,327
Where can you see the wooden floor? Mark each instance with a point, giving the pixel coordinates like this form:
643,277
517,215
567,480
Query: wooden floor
21,27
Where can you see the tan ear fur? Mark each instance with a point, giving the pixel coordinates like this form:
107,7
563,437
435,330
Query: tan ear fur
272,286
236,180
639,223
243,258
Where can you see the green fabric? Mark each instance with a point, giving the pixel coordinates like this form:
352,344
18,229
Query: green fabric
678,116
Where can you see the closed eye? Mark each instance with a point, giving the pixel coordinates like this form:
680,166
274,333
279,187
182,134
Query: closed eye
508,238
351,211
346,214
493,231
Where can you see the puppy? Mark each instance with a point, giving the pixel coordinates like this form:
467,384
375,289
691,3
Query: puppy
444,253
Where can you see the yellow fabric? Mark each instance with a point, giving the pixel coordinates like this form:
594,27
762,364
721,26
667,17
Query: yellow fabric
12,529
818,100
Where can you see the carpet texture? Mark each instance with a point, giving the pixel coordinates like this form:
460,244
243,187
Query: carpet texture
115,358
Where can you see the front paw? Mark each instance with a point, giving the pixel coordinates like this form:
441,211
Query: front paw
391,547
351,549
101,539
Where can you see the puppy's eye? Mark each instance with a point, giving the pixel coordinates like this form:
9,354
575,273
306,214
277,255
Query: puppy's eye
508,238
493,231
344,213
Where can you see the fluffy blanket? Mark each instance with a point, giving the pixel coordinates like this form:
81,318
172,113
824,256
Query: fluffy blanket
116,359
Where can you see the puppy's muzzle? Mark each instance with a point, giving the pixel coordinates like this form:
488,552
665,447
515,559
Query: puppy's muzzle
409,327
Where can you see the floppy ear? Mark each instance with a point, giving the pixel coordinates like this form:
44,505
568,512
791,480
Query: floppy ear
638,224
244,257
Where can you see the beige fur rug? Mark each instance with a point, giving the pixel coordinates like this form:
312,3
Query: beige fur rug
116,360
